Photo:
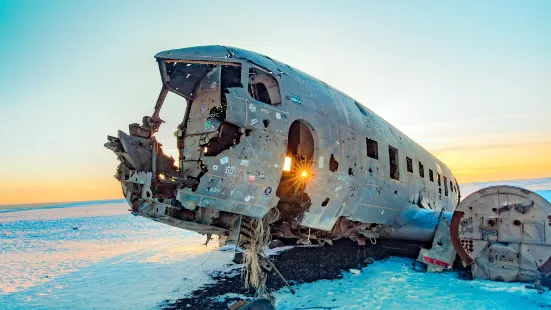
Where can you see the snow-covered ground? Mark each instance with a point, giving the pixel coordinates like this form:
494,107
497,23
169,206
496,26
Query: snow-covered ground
112,261
392,284
98,256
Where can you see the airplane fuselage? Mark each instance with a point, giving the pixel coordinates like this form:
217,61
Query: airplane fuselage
260,135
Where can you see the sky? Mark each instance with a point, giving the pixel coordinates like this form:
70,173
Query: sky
468,80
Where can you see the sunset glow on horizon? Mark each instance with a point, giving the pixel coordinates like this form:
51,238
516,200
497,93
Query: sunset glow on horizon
469,82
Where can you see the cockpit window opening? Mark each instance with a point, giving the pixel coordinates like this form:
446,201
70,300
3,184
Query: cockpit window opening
263,87
231,77
446,186
372,148
183,78
409,164
393,161
362,110
421,170
259,92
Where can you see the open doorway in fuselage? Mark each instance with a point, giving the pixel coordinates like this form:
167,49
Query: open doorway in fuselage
297,169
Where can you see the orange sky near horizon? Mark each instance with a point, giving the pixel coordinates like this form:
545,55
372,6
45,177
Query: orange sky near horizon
468,164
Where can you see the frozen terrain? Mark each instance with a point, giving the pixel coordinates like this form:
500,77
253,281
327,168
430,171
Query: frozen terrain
97,256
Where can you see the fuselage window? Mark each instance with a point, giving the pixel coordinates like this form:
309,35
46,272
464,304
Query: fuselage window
446,186
431,175
362,110
409,164
263,87
372,148
438,177
421,170
259,92
451,186
393,160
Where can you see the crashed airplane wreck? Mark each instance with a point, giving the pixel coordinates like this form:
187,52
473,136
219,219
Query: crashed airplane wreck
269,152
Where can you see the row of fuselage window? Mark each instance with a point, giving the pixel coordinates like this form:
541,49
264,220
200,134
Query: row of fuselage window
373,152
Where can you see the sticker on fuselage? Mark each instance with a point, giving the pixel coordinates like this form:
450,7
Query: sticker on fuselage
320,162
252,107
254,121
207,125
215,167
278,115
203,108
244,162
251,178
224,160
295,99
230,169
268,191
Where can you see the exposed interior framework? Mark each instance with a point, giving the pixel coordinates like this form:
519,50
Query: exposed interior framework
263,87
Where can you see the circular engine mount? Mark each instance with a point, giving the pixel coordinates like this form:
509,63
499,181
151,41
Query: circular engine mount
504,234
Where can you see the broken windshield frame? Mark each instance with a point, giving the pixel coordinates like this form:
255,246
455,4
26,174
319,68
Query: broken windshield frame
198,69
176,76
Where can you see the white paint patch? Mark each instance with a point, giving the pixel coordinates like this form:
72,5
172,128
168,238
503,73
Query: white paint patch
248,198
278,115
252,107
224,160
320,162
244,162
254,121
338,188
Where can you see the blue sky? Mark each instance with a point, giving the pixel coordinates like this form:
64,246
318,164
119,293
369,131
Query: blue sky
453,76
